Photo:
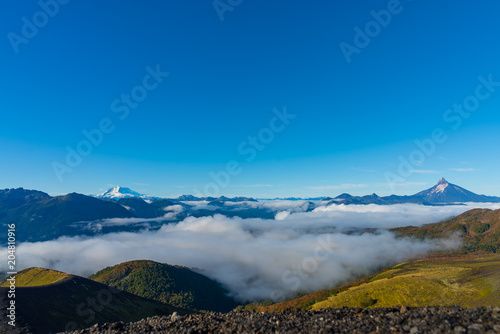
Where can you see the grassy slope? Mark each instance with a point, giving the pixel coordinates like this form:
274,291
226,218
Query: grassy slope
174,285
447,280
464,282
51,307
35,277
478,228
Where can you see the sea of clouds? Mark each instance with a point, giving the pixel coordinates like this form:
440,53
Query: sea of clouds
259,259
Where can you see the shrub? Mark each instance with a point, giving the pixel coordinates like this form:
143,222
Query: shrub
482,228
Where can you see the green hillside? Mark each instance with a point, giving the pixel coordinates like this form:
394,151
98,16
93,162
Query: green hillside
49,301
445,281
464,282
479,229
178,286
35,277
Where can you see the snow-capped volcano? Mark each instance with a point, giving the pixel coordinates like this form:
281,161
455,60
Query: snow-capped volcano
119,192
442,193
440,186
445,192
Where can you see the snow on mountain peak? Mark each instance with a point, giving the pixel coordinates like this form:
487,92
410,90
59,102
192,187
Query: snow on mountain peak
119,192
441,186
442,181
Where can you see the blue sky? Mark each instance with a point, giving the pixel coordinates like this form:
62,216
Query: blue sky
351,118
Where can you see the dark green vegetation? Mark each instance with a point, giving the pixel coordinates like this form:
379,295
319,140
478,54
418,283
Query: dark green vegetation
49,301
175,285
479,229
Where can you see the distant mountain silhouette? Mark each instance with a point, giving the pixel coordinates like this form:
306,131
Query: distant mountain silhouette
40,217
442,193
445,192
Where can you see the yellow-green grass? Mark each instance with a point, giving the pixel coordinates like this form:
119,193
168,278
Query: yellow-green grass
463,282
36,277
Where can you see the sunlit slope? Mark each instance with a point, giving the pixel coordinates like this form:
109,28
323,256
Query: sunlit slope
36,277
478,229
465,282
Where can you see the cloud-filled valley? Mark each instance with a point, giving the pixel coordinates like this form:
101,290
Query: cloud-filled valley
259,259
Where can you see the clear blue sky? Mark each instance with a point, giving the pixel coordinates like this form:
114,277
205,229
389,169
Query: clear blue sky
353,119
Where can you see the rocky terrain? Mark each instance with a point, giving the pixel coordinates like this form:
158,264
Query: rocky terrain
343,320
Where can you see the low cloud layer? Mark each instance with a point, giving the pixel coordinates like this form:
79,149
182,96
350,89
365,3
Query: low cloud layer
258,259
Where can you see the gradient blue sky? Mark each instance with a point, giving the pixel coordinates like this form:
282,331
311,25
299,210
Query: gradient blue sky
353,120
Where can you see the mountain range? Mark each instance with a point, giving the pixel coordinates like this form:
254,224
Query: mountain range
441,193
39,216
118,192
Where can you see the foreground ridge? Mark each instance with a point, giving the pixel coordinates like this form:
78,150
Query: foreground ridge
343,320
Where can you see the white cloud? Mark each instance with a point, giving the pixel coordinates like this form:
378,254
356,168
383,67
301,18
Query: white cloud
256,258
194,203
464,169
174,208
282,215
255,264
97,225
274,205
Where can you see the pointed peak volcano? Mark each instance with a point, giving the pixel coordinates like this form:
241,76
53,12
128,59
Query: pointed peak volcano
442,181
445,192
